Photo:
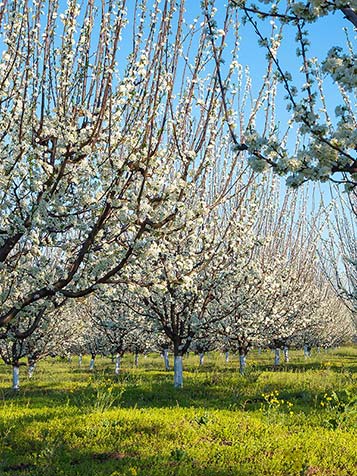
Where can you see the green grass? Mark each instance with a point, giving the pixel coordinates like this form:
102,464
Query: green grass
300,420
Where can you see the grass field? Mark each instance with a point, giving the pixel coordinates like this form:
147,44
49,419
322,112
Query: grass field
298,421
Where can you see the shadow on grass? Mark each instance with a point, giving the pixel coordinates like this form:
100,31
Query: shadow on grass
60,459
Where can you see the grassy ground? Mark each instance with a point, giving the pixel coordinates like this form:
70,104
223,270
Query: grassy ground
300,420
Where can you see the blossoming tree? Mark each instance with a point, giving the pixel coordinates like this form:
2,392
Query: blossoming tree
339,254
55,334
178,285
99,151
326,150
123,330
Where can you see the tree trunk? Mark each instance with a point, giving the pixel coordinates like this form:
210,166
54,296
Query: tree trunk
178,373
166,359
117,364
242,363
136,359
16,377
202,358
277,357
350,14
286,354
80,358
31,369
227,357
91,363
306,351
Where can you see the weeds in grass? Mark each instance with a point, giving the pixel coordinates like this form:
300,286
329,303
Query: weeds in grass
202,419
341,408
178,454
105,398
97,395
275,403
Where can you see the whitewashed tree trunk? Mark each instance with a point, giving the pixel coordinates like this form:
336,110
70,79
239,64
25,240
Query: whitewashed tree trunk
15,377
178,371
166,359
259,350
286,354
80,358
277,357
69,359
242,363
202,358
117,364
31,370
227,357
136,359
91,363
306,352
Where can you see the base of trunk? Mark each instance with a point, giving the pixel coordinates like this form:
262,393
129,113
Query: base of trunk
117,365
91,364
277,357
242,363
31,370
286,355
16,378
166,359
178,371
